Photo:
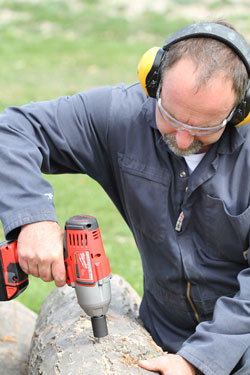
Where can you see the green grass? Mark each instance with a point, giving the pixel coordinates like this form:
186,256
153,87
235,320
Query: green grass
49,48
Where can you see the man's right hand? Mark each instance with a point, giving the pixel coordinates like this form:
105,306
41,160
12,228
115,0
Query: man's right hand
40,251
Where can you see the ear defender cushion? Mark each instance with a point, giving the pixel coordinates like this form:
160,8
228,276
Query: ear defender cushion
247,119
242,111
148,70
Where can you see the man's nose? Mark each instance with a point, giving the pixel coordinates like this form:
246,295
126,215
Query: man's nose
184,139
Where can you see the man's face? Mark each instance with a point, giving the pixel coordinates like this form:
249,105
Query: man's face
206,107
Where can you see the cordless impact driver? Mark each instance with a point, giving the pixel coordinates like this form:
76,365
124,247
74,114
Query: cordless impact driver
87,270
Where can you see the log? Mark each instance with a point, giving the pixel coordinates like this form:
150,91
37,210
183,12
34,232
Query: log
63,341
16,329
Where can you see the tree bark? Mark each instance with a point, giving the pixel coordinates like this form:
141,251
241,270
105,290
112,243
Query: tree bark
63,341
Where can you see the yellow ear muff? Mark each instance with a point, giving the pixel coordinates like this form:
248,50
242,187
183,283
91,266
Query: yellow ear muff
145,65
247,119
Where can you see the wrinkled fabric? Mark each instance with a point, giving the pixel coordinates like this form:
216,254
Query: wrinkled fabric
192,231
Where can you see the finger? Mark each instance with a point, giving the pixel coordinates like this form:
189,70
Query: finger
45,272
33,270
27,260
154,364
59,272
24,266
22,260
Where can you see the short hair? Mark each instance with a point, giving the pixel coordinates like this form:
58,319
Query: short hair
210,56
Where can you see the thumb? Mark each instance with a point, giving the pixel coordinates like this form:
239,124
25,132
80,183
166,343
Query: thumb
153,364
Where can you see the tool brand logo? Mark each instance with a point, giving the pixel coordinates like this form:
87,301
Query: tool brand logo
85,265
82,260
48,195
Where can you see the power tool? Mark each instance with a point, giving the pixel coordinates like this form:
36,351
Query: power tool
87,270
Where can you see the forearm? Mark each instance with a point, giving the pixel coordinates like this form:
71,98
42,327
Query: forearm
218,345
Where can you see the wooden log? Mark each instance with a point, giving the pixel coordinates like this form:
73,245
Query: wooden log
16,329
63,341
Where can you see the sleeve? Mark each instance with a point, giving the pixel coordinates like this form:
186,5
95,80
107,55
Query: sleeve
218,345
67,135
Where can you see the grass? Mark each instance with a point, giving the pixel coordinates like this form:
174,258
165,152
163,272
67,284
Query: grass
50,49
55,47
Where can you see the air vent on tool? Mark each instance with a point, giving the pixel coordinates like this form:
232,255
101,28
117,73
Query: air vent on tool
76,240
96,234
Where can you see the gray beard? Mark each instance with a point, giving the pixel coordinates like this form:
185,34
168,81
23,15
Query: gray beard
194,148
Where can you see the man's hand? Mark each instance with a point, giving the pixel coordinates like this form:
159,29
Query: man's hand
40,251
169,364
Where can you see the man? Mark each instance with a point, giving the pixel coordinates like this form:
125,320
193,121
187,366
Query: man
178,175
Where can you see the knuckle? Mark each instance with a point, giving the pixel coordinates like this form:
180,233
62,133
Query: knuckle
46,258
42,260
46,278
28,256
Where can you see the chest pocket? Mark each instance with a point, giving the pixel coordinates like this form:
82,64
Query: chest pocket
227,234
145,191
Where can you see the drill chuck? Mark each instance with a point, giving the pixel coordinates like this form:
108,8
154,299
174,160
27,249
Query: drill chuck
99,326
95,302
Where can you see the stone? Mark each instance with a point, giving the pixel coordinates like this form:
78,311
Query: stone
16,329
63,341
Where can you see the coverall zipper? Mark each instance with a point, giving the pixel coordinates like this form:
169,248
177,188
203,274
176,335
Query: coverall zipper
191,302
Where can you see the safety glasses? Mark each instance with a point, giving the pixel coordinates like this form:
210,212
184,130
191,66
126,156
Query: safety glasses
194,130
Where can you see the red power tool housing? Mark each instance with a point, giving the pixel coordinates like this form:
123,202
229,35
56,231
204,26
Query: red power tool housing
87,270
13,280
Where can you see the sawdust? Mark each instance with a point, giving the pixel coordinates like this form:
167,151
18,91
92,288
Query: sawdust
8,338
156,347
129,360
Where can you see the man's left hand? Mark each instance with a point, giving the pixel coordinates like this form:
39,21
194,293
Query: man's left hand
169,364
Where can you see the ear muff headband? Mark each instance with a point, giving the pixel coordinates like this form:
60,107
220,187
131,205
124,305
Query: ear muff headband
149,74
215,31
